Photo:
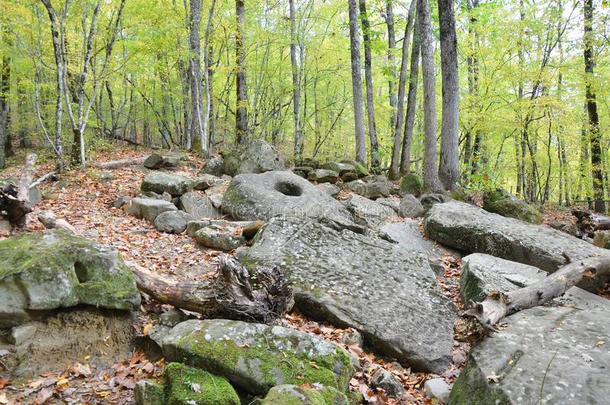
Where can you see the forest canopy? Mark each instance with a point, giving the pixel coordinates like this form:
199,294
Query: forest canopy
202,75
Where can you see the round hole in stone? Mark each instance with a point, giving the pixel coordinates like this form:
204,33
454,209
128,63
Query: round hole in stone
289,189
81,272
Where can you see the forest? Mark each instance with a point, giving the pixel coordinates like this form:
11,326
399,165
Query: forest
482,93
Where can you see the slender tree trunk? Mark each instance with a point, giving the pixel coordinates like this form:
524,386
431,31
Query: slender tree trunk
389,20
195,76
405,159
296,85
368,74
357,83
431,180
402,81
208,80
449,170
241,109
5,79
594,133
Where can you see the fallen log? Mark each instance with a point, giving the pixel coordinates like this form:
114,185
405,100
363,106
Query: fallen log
117,164
499,305
49,176
50,221
15,199
233,293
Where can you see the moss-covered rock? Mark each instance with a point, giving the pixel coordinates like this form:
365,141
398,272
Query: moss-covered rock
256,357
57,269
191,386
149,392
160,182
507,205
301,395
256,157
411,183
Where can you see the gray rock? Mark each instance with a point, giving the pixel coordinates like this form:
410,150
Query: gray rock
472,229
392,386
503,203
368,212
5,227
217,192
352,337
602,239
214,166
247,228
338,167
257,157
372,285
377,186
329,189
148,393
428,200
106,176
437,388
205,181
271,194
172,221
198,206
552,355
151,194
410,207
225,238
256,357
119,202
148,208
57,269
172,317
411,183
22,333
160,182
391,202
160,161
315,395
323,176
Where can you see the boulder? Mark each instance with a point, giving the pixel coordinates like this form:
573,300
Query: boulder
368,212
148,393
198,206
151,194
392,386
256,357
471,229
248,229
160,182
172,221
372,285
437,389
205,181
340,168
214,166
57,269
411,183
161,161
391,202
256,157
266,195
428,200
602,239
302,171
187,386
410,207
328,188
215,236
300,395
507,205
554,355
323,176
148,208
375,187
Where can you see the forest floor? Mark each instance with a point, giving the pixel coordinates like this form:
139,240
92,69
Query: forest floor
85,199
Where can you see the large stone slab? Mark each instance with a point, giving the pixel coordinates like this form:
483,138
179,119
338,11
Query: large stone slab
160,182
148,208
256,357
281,193
198,206
256,157
368,212
57,269
364,282
474,230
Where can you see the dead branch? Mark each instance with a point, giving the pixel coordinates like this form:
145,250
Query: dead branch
50,221
15,200
42,179
234,293
117,164
499,305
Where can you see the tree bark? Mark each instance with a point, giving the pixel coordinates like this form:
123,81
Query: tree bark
357,83
368,75
594,133
5,79
241,109
431,181
402,84
405,159
449,171
389,20
117,164
262,295
498,305
207,72
15,200
195,78
296,85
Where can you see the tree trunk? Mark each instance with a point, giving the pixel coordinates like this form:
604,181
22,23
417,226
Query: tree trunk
235,293
498,305
398,123
357,83
449,171
15,200
241,109
431,181
195,76
368,74
207,51
594,133
296,85
389,20
5,78
405,159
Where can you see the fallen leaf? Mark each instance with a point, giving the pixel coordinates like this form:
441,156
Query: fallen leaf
44,395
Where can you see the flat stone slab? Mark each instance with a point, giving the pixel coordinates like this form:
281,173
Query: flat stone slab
387,293
474,230
368,212
160,182
148,208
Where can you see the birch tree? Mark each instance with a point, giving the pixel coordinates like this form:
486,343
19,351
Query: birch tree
356,82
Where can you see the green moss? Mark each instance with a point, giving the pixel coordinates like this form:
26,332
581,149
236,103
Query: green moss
188,386
505,204
411,183
294,395
472,388
148,392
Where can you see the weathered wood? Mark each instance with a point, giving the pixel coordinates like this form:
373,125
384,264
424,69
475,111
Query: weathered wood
233,293
499,305
43,178
15,200
117,164
50,221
